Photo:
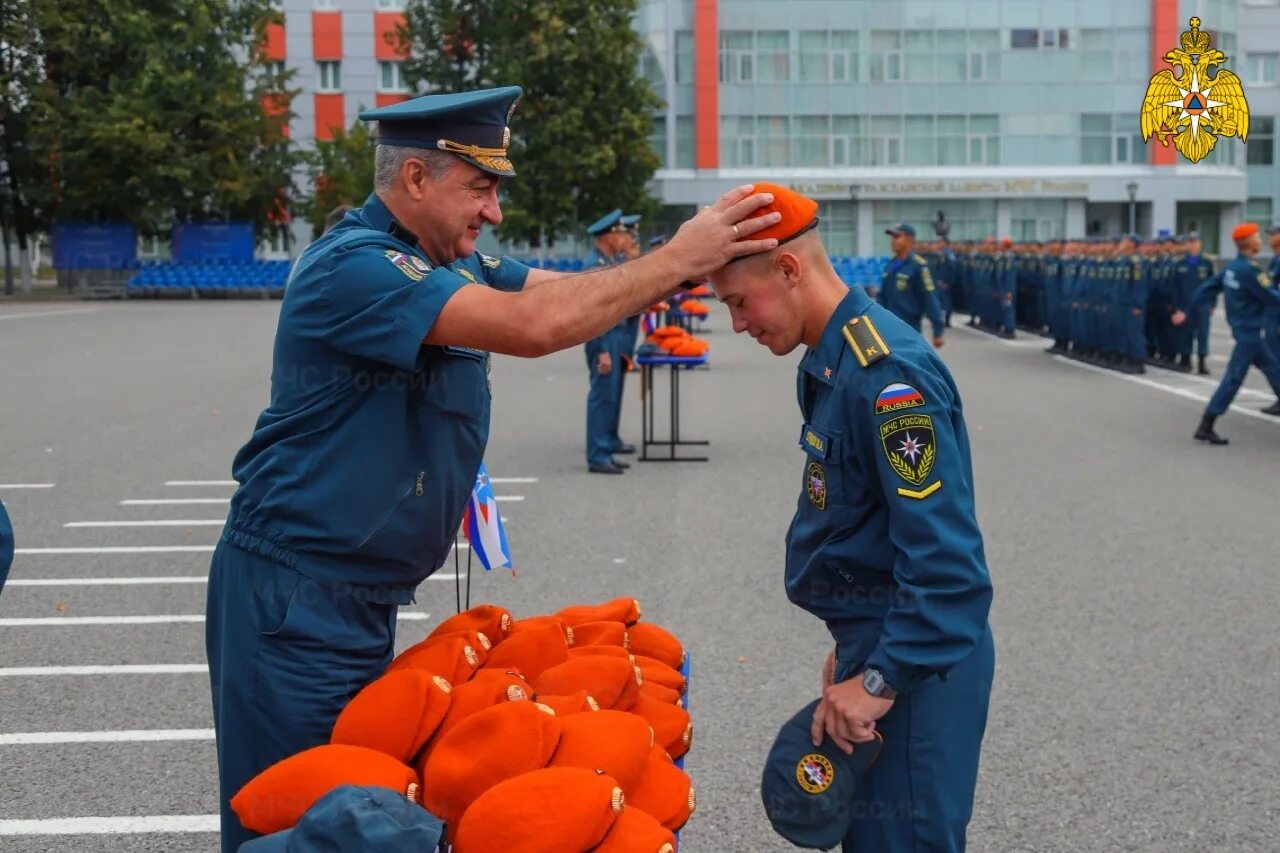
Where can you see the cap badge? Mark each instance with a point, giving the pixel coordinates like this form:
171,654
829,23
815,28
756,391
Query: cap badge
814,773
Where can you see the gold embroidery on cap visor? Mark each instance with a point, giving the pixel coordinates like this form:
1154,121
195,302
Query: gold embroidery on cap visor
489,158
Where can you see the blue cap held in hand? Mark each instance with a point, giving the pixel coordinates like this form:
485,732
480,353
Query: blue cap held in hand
371,820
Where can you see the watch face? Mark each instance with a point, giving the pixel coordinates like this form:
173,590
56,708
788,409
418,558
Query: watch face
873,682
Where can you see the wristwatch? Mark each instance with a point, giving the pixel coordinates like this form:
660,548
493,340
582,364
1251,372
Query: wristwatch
873,682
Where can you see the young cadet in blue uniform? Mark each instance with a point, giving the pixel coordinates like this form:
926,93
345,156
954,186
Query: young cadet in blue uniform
353,484
884,546
1248,291
906,287
1271,318
604,359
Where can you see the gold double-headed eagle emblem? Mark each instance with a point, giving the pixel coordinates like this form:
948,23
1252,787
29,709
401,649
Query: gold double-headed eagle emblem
1191,107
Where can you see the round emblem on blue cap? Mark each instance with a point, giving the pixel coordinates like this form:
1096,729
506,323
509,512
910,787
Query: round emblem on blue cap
814,773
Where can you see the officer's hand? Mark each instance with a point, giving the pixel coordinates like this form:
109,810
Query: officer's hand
850,713
937,342
1179,317
718,233
604,364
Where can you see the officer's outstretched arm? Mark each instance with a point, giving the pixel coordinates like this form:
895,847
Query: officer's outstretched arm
568,311
923,471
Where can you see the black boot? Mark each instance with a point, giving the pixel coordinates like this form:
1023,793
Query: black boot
1205,432
1184,364
1203,371
1273,409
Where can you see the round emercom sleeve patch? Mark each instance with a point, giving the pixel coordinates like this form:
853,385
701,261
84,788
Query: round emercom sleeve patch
814,773
816,485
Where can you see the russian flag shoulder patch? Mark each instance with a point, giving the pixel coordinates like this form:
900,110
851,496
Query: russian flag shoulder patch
896,397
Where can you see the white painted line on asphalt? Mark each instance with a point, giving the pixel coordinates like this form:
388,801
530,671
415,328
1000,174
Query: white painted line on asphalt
133,549
113,669
1021,342
1168,389
158,580
121,736
111,825
168,522
510,498
48,313
201,483
167,619
26,485
508,480
174,501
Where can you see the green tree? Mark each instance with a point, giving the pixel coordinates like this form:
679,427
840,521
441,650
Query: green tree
19,76
160,111
580,133
339,171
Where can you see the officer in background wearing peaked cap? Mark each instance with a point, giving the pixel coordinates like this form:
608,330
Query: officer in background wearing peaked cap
353,484
604,358
884,546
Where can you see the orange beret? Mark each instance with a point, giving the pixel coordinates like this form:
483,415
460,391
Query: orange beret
614,682
669,332
1243,230
671,724
452,657
663,694
624,610
578,702
663,791
656,670
531,622
487,688
657,642
496,744
634,831
276,798
600,634
672,343
690,348
560,808
799,213
396,713
613,741
531,651
491,620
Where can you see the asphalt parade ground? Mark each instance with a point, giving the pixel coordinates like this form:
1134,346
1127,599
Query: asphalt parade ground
1135,577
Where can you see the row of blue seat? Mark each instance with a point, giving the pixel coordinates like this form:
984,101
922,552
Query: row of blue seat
221,276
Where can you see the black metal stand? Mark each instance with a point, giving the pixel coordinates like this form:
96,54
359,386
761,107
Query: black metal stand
648,437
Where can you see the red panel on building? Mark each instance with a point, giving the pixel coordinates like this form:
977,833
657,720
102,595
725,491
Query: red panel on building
274,48
326,35
1164,36
706,85
330,115
386,99
384,25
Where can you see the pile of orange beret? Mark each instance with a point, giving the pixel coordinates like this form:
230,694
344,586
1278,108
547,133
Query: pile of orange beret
558,732
677,341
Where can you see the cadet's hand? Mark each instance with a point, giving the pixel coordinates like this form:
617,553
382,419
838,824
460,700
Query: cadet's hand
937,343
604,364
718,233
849,713
1179,317
829,670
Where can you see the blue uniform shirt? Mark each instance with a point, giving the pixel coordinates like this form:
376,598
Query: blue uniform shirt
885,545
906,289
359,469
1247,290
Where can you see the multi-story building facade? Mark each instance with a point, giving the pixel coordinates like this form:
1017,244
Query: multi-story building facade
1014,118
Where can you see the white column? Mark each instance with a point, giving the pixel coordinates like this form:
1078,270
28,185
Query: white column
866,228
1231,215
1164,214
1075,218
1004,218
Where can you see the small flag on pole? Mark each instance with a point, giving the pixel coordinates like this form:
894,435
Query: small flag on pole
483,526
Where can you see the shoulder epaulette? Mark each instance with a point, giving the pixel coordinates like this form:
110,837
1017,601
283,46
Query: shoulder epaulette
920,260
865,341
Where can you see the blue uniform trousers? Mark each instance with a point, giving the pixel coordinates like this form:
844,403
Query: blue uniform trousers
285,657
919,794
1008,310
603,403
1135,336
1272,333
1201,318
1250,350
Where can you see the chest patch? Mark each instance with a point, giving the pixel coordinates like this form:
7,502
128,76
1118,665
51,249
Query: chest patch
908,442
814,442
815,480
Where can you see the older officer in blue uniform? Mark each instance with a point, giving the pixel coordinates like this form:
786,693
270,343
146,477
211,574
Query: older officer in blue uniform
884,545
1249,292
604,357
628,332
353,484
906,286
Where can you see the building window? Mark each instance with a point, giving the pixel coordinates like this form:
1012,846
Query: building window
1260,149
1258,210
983,140
984,54
330,76
848,146
953,56
276,70
1024,39
737,57
658,139
839,226
685,145
326,4
1096,55
391,5
762,57
684,56
1059,38
885,140
773,54
1106,139
828,57
1260,68
390,77
886,56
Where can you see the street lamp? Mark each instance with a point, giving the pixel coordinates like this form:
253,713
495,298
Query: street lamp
1132,187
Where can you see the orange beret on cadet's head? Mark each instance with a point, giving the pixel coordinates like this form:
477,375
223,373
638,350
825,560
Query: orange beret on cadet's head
634,831
613,682
655,641
799,214
496,744
487,688
566,809
578,702
532,651
276,798
663,791
624,610
452,657
1243,230
491,620
396,714
613,741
